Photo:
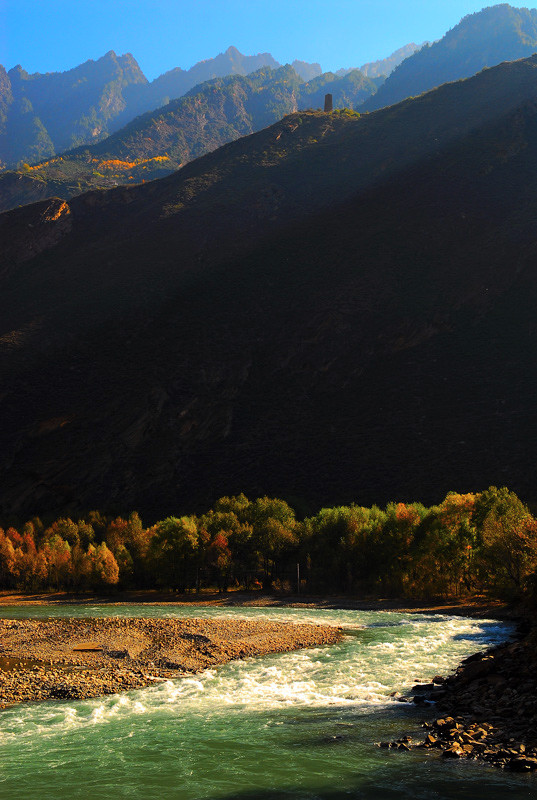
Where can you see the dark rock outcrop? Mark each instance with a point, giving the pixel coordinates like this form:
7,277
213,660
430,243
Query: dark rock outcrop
489,708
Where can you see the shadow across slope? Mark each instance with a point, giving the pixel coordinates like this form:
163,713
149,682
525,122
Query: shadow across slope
284,316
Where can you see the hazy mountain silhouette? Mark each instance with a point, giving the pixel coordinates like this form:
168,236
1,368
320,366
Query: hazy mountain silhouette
44,114
177,82
377,69
498,33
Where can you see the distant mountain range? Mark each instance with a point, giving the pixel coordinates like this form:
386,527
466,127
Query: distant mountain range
93,105
42,115
498,33
159,142
177,82
383,68
337,308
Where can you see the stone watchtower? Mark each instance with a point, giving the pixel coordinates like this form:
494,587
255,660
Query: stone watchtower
328,102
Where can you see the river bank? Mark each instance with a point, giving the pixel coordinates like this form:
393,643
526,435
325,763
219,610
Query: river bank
474,606
83,658
300,724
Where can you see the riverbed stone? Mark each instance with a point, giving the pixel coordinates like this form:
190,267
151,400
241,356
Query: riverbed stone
489,707
455,751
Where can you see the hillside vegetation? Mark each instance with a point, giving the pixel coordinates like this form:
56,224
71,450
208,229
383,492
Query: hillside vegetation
42,115
255,93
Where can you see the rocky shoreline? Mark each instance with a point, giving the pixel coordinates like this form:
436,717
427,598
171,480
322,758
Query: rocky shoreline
488,708
83,658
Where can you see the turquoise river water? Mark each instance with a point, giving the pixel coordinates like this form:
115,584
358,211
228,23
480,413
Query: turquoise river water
298,725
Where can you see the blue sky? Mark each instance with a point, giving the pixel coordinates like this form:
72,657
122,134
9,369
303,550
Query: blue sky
50,35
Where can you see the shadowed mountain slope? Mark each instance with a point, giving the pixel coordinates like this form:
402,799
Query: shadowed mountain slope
498,33
333,309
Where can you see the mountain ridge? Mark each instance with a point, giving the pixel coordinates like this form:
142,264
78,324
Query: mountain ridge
161,141
105,95
68,106
385,66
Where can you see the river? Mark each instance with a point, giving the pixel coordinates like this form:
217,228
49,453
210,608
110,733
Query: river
296,725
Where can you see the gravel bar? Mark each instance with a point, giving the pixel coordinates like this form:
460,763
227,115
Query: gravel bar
82,658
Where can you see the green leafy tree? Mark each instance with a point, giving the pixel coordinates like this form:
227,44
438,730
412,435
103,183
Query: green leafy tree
445,549
273,536
174,550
